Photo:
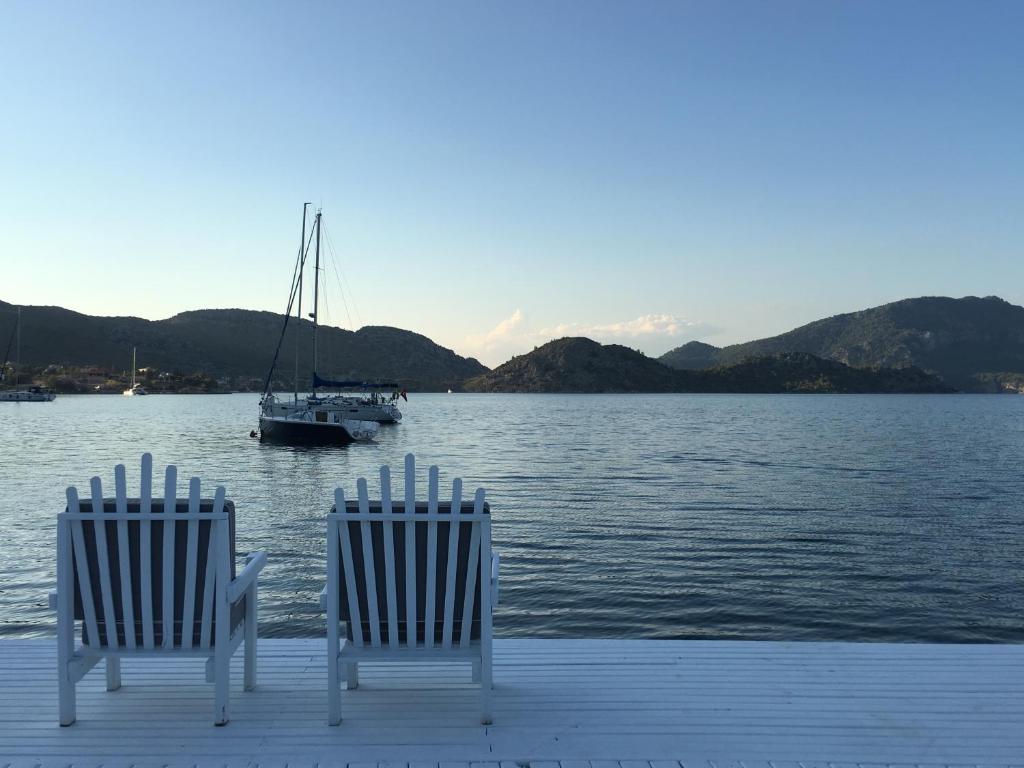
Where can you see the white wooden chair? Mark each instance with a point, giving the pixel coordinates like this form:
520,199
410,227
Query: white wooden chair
149,566
409,585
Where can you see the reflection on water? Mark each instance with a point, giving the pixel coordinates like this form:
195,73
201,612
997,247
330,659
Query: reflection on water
784,517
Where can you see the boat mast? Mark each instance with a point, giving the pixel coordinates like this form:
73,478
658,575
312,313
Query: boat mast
316,295
298,311
17,353
133,367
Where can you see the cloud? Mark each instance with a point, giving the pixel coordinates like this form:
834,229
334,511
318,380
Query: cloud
653,334
667,326
507,328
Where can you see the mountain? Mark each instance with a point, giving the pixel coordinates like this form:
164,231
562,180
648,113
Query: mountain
234,343
577,365
582,365
694,354
803,372
964,341
973,344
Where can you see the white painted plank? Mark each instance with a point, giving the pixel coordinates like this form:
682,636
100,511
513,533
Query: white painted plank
333,597
389,558
369,570
191,565
124,556
486,610
472,576
103,561
65,619
170,507
411,584
453,559
431,597
221,534
82,569
145,551
210,577
348,564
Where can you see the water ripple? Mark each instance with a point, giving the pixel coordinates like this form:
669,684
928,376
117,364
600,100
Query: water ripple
664,516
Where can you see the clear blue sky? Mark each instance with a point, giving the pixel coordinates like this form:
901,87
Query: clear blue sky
497,174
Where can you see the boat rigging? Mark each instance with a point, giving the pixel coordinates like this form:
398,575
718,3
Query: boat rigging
315,418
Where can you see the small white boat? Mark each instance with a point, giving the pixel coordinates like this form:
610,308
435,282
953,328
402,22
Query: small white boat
134,389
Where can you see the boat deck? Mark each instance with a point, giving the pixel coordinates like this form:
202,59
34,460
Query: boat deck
699,703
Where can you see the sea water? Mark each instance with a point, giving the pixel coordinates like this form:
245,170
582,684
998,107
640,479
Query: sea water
801,517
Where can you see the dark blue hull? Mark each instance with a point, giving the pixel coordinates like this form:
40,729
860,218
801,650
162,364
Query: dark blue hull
289,432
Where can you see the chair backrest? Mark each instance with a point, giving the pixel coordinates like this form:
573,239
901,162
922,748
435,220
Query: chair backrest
147,573
407,573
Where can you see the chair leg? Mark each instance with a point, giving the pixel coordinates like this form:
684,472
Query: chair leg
221,685
250,638
351,676
65,641
486,716
113,673
67,695
334,672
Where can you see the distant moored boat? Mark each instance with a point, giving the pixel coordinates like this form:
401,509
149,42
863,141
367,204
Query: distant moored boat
134,389
30,395
15,395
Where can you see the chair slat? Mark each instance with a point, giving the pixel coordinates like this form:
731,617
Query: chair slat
210,578
453,559
389,557
124,556
486,634
473,571
218,501
188,611
82,569
146,484
170,506
410,551
220,533
103,562
181,516
351,584
369,572
431,596
145,551
333,606
65,617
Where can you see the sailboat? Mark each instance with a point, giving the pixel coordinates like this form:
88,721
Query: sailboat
309,420
134,389
30,395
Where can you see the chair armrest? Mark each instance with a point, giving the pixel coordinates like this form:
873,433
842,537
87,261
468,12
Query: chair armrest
323,598
255,562
53,600
495,567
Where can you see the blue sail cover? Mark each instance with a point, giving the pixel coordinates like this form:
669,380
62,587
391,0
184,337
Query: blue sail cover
318,382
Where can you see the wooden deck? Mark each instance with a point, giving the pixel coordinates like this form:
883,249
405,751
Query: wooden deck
640,702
